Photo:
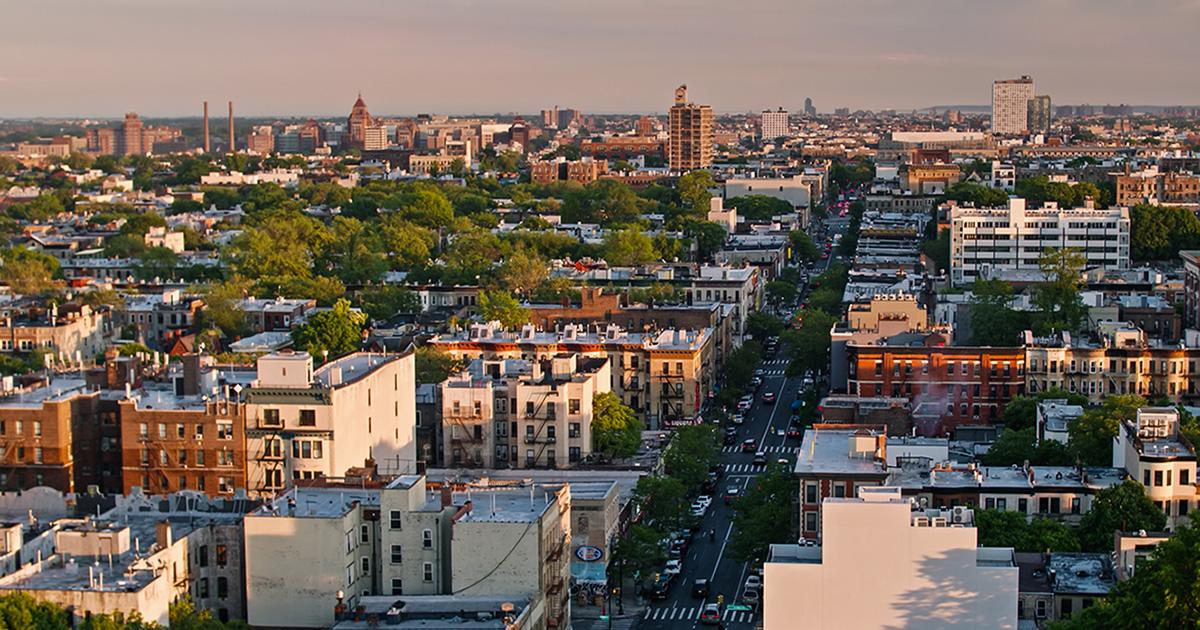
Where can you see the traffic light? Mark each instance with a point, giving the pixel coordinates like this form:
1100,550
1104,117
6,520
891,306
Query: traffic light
720,599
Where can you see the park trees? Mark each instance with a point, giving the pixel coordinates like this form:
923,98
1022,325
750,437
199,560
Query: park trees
764,515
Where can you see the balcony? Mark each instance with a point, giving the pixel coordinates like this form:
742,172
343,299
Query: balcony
555,587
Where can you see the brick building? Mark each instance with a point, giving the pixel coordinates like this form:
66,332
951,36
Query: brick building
615,148
948,386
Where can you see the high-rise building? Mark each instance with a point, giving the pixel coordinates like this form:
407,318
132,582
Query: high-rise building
645,127
1010,105
358,122
691,134
1039,114
809,109
774,124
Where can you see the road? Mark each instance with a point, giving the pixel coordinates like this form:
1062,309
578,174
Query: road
710,559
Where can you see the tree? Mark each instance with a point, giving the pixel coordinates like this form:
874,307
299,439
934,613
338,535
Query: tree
762,326
522,272
1058,298
1119,507
502,307
28,272
693,192
810,342
939,250
427,208
764,515
1009,528
993,320
1021,411
642,548
616,432
350,253
1015,447
221,306
337,331
1091,435
277,248
741,363
759,207
1159,232
381,303
139,225
408,246
781,292
156,262
708,236
627,248
434,366
692,453
803,247
1161,594
977,195
663,501
604,201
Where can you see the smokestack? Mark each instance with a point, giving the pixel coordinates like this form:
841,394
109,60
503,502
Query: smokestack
232,146
206,145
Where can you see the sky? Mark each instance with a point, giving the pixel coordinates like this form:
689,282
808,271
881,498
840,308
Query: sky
161,58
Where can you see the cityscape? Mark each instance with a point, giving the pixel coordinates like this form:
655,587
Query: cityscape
882,355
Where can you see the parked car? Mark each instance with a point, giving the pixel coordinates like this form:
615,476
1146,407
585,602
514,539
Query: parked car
673,567
738,418
730,438
753,581
711,615
751,597
732,493
662,586
755,382
700,588
698,509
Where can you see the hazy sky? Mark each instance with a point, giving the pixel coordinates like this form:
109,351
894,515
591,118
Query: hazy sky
311,57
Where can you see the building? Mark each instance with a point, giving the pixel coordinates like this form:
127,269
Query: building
1191,288
691,134
809,109
522,414
1155,453
663,376
826,468
797,190
261,140
302,424
645,127
885,563
1006,243
615,148
1054,416
278,315
583,171
1010,106
71,330
357,124
774,124
131,138
1040,113
1151,186
949,386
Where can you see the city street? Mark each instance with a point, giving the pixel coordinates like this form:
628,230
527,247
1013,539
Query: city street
710,560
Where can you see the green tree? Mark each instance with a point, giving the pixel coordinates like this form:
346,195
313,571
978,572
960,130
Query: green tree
1014,447
408,245
1119,507
502,307
382,303
139,225
627,248
604,201
1049,534
522,272
692,452
741,363
1001,528
643,549
810,342
663,501
426,208
337,331
708,236
221,306
156,262
780,292
693,192
1162,593
1091,435
350,253
976,195
278,248
1021,411
432,365
28,272
762,326
1058,298
993,320
616,432
803,247
759,207
938,250
764,515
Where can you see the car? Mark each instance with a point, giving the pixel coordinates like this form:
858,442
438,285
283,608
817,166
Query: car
730,439
705,499
751,597
709,484
716,469
679,543
711,615
698,509
759,372
700,588
744,404
732,493
662,586
756,382
673,567
768,397
783,460
794,432
749,446
738,418
753,582
760,459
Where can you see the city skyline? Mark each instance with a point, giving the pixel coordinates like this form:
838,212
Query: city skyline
529,55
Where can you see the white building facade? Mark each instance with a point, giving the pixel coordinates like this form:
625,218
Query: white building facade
1010,106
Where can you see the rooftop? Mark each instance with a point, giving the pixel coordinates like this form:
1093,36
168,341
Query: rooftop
1081,573
435,612
825,451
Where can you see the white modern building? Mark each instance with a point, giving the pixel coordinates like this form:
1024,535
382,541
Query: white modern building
886,564
1006,242
1154,452
1010,106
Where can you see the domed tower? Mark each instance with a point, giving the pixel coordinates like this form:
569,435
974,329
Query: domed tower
357,123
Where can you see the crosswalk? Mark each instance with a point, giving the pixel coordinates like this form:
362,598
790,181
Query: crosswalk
774,367
766,449
675,613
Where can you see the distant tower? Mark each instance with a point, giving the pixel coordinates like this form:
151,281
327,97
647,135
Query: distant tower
691,143
1010,106
645,127
358,122
809,110
774,124
232,146
206,145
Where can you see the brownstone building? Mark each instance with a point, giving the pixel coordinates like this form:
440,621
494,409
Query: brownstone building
948,386
198,447
584,171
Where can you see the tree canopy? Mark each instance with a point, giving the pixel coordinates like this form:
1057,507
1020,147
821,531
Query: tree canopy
616,431
337,331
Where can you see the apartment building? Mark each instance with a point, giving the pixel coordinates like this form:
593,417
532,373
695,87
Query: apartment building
1124,361
279,314
691,134
71,330
949,386
161,318
774,124
398,538
1150,186
1006,242
1155,453
584,171
663,376
1010,106
302,423
883,563
1191,288
522,414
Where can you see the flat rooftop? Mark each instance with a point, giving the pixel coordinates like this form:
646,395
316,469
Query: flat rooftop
435,612
517,505
826,451
626,480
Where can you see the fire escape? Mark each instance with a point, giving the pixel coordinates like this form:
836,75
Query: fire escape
672,397
557,596
543,435
466,437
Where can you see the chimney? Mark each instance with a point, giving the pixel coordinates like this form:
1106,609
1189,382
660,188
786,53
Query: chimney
206,145
162,534
232,146
191,374
447,495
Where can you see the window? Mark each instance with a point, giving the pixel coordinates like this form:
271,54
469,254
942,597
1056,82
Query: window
573,405
224,457
573,454
365,562
428,572
222,587
1185,477
202,588
308,418
573,430
810,493
427,539
37,428
810,521
224,484
839,491
222,555
364,534
37,455
143,429
395,520
200,459
271,417
272,447
224,430
1158,477
1023,506
203,555
1146,478
397,554
145,456
397,586
1039,609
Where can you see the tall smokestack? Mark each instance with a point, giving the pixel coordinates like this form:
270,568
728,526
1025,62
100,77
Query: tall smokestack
232,146
206,145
